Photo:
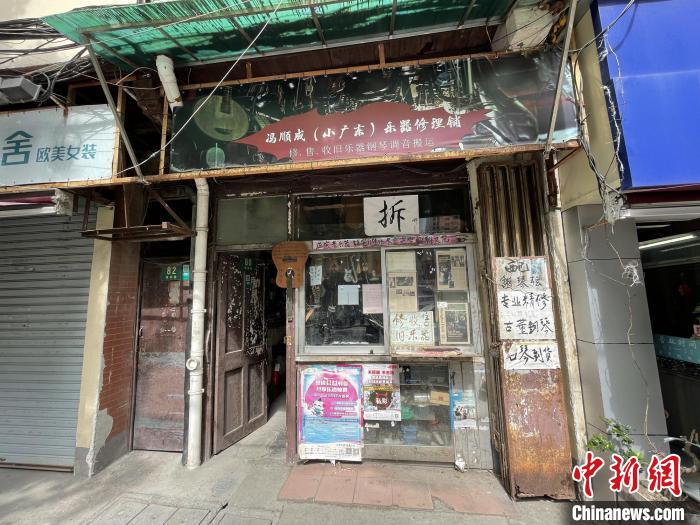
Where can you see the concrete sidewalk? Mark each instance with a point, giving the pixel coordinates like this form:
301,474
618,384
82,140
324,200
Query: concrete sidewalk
250,483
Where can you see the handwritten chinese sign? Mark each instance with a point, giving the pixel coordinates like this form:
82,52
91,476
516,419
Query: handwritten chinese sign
524,299
391,215
46,146
528,356
412,328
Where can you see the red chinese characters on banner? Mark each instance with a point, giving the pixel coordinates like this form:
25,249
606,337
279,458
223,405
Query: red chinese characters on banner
376,129
662,473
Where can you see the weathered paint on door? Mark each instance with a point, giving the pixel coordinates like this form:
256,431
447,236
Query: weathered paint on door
241,390
160,378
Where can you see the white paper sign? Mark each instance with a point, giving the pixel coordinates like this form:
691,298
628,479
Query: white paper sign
524,299
392,215
412,328
46,146
348,294
315,275
542,355
372,299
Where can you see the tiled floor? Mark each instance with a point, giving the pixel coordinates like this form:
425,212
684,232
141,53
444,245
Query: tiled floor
392,485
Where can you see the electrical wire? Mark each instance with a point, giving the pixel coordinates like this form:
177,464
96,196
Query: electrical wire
211,94
607,28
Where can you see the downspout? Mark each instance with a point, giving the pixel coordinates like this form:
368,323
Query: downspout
195,362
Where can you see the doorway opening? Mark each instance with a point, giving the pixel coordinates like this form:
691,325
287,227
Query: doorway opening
249,347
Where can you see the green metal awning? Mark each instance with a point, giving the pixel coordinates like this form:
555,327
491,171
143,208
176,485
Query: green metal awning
200,31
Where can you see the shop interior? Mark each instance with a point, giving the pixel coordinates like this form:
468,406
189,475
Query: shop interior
670,253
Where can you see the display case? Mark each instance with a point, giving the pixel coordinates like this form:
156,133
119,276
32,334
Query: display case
424,432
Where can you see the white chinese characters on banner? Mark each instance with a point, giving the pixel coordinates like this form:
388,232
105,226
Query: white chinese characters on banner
391,215
543,355
47,146
524,299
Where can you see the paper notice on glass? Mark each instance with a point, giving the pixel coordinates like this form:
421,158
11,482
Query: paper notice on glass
348,294
401,261
412,328
315,275
403,293
452,269
453,319
372,299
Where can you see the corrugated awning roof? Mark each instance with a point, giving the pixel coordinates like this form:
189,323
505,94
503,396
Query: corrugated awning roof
199,31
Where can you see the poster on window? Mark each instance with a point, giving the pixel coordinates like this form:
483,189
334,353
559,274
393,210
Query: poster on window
391,215
381,392
403,292
452,269
524,299
330,412
412,328
453,319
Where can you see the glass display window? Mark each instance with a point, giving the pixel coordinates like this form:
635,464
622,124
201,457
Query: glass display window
428,304
425,419
343,303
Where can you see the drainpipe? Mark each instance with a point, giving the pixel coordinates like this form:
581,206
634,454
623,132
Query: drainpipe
194,363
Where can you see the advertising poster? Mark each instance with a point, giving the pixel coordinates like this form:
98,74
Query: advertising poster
381,392
330,412
539,355
464,410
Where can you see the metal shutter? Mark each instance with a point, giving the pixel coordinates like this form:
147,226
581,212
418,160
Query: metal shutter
44,284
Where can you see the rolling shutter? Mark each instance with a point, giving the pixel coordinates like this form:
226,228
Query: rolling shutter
44,285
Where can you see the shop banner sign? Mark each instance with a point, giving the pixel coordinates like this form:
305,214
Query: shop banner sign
46,145
524,299
539,355
454,105
437,239
381,392
330,412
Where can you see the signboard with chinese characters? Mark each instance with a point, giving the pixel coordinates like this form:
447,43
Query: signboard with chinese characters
391,215
530,355
455,105
524,299
412,328
330,412
377,242
47,146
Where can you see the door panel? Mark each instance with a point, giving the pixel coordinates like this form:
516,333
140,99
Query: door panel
160,377
240,390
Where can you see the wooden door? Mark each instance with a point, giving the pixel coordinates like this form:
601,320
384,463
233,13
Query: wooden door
240,404
159,407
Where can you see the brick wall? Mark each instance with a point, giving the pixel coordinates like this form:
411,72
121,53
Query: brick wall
119,339
119,346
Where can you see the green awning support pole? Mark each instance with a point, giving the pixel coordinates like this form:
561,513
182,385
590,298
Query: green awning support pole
112,106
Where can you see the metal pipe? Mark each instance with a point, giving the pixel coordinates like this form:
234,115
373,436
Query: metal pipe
195,361
560,80
113,107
